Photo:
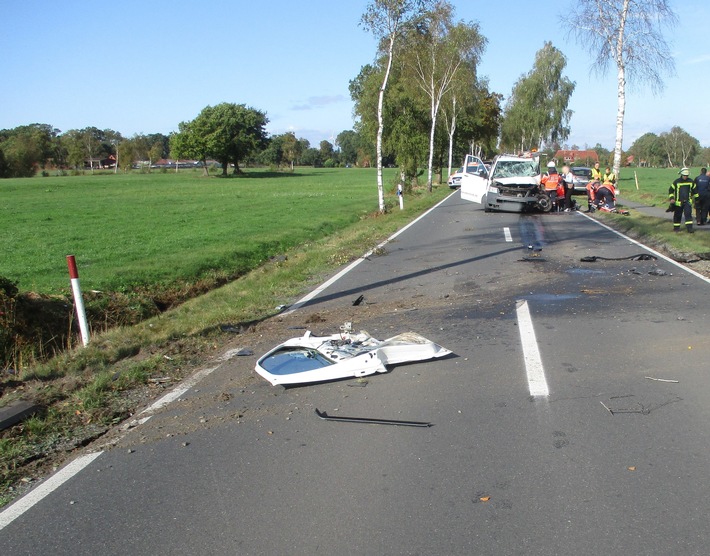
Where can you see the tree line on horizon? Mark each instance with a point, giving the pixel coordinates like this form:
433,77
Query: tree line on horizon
420,106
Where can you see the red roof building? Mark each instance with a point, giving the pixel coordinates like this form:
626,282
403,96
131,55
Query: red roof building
588,157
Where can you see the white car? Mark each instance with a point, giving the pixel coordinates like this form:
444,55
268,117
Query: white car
513,184
455,178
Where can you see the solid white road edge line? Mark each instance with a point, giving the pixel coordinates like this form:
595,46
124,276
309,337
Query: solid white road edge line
14,511
305,299
507,234
55,481
531,353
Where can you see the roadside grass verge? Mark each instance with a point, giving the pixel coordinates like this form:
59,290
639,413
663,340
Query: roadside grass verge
145,243
83,392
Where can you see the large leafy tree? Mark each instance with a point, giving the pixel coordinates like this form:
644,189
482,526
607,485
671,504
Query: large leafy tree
628,33
227,132
647,150
679,146
348,141
537,111
29,147
440,50
89,144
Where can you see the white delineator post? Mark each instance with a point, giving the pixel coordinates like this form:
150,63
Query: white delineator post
78,300
400,194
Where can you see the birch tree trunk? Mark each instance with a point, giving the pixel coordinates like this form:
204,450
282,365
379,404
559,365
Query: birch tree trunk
452,131
621,84
380,125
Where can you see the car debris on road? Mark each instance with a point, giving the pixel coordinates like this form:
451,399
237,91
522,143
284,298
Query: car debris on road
310,359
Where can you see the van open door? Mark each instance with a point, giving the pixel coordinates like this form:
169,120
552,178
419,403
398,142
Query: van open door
474,181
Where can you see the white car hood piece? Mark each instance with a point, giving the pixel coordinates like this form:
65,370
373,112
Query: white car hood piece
322,358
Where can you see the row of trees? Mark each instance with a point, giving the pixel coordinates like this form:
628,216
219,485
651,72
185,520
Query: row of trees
25,149
230,141
674,148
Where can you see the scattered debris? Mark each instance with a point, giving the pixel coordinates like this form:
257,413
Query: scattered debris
605,407
659,272
310,359
160,380
662,379
236,352
364,420
358,301
16,412
641,257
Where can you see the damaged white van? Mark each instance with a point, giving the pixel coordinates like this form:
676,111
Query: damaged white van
512,184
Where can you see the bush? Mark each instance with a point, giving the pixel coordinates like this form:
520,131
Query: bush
8,295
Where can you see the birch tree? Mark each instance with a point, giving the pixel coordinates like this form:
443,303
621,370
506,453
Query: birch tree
460,100
629,33
387,20
537,111
441,48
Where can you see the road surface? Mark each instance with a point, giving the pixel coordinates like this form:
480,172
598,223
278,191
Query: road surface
551,433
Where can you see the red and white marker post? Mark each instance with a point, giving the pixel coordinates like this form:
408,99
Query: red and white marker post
78,300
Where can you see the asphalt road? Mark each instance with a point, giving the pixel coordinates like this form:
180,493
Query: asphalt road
608,461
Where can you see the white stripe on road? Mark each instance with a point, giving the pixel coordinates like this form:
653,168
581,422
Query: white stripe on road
66,473
531,353
507,234
47,487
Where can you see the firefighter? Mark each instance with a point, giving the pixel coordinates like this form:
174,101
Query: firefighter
702,205
681,195
550,181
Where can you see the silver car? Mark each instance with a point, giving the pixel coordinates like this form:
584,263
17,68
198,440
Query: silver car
581,177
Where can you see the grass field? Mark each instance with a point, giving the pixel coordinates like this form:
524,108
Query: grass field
653,183
145,229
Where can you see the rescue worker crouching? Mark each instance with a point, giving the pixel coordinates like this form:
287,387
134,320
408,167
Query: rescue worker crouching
681,195
601,196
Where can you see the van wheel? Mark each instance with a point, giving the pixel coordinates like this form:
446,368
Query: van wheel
544,203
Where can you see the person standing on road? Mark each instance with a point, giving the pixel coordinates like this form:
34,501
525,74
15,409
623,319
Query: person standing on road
681,195
702,205
550,181
568,182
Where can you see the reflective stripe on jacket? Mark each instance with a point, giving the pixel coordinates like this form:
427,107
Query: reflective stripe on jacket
681,190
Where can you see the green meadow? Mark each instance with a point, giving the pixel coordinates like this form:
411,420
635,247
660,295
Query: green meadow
141,230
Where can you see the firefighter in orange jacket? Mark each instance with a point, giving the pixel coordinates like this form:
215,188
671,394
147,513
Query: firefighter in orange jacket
601,196
681,195
551,181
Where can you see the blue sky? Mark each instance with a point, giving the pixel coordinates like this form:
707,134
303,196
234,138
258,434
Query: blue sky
144,66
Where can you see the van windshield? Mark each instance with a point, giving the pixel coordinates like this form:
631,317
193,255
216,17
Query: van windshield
516,169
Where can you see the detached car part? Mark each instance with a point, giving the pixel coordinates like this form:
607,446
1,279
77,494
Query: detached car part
322,358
